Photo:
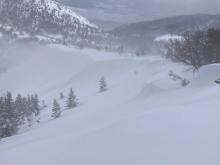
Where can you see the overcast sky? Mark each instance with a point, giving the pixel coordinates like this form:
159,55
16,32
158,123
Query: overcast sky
175,7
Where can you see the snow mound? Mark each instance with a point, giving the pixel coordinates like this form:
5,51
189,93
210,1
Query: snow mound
167,37
207,75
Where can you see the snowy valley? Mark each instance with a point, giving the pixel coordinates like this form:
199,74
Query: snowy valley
145,117
72,93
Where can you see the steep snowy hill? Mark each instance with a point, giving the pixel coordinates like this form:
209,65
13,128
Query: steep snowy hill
45,20
144,118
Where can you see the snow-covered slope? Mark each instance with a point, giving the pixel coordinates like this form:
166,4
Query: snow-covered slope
44,18
144,117
167,38
59,10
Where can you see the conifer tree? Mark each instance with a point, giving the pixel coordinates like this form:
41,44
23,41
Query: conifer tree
217,81
56,111
25,110
29,111
71,100
43,105
14,113
11,119
36,107
20,108
61,96
2,118
102,85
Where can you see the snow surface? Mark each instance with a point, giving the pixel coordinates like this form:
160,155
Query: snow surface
167,37
144,118
60,9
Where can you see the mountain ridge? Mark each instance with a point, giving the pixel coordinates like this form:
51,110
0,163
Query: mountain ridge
199,18
141,35
47,18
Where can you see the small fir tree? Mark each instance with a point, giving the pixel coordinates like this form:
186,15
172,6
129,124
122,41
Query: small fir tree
29,111
71,100
61,96
35,107
102,85
43,105
11,118
217,81
20,108
56,110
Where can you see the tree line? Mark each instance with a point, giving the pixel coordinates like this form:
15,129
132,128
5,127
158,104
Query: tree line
72,100
15,112
71,103
26,110
196,48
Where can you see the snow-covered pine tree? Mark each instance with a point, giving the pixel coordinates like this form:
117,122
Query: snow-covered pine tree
61,96
102,85
217,81
56,111
29,111
11,118
15,113
2,117
25,110
36,107
20,109
72,101
43,105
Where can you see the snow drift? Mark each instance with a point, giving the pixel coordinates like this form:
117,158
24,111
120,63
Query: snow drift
144,117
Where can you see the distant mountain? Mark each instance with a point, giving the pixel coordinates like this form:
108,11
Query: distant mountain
109,14
143,33
44,20
127,11
176,25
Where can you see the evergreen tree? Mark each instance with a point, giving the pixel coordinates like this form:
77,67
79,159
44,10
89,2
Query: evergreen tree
11,119
61,96
36,107
15,113
43,105
217,81
71,100
29,111
102,85
2,118
56,111
25,109
20,108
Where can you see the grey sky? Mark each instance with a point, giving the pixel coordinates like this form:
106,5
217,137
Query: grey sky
158,8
